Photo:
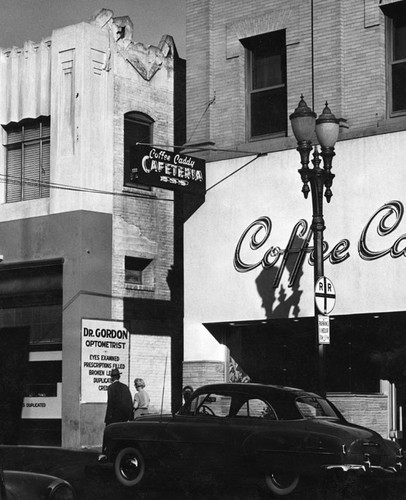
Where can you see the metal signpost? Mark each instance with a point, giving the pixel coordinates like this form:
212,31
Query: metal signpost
325,298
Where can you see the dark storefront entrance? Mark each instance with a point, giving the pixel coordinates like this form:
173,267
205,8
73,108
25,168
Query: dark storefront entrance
30,354
364,349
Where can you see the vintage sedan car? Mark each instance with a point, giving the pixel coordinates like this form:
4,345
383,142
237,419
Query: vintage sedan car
16,485
281,433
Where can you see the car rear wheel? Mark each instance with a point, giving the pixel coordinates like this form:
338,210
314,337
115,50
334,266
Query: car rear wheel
282,483
129,466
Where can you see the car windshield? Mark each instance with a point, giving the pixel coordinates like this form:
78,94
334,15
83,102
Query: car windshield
312,407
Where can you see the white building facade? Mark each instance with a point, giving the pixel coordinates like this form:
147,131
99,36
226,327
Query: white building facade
86,249
249,274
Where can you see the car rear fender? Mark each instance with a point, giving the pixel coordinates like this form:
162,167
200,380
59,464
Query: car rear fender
275,448
293,449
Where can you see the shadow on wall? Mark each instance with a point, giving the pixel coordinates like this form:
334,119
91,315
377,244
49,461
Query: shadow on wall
277,300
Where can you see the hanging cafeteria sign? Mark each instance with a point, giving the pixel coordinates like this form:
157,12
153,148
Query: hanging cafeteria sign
168,170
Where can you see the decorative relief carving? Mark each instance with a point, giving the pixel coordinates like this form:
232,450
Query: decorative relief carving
67,103
145,60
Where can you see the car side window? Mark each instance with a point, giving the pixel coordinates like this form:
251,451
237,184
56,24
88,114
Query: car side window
215,405
256,408
311,407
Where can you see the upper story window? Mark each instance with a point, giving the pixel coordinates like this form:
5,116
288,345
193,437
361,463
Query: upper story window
138,127
28,160
135,271
266,85
396,57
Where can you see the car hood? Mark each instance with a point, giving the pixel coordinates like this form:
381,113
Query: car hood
19,483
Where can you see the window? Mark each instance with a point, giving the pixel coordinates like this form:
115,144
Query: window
215,405
311,407
396,43
256,408
28,160
43,378
134,268
137,128
266,85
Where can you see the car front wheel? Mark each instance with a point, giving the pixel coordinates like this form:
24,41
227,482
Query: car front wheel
282,483
129,466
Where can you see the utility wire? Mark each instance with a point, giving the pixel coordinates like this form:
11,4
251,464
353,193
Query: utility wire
52,185
235,171
32,182
201,149
201,118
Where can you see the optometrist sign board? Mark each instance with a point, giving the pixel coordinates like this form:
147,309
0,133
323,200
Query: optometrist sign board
105,345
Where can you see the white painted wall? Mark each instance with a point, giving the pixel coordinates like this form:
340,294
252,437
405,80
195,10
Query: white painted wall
369,173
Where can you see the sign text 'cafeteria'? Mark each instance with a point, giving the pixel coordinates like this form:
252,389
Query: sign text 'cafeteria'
168,170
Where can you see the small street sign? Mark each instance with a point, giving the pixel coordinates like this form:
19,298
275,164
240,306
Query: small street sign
324,295
324,329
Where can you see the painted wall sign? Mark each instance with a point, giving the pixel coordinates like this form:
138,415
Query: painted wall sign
168,170
253,236
105,345
383,222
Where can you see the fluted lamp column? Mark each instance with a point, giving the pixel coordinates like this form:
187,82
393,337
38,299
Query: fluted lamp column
317,180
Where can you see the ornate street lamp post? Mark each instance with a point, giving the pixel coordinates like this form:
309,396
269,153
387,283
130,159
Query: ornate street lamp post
320,179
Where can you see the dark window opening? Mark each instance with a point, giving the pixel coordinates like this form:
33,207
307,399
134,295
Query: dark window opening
28,160
43,377
266,84
138,128
396,57
31,295
134,268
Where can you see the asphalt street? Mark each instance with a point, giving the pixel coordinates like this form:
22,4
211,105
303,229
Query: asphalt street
92,481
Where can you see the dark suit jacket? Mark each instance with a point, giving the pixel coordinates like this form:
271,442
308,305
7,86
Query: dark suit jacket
119,403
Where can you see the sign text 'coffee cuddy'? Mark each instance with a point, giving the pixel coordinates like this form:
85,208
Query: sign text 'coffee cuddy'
374,242
168,170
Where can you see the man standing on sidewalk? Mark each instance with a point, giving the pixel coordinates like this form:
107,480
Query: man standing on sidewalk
119,400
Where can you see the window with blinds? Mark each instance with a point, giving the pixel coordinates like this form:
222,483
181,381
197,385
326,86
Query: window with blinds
28,160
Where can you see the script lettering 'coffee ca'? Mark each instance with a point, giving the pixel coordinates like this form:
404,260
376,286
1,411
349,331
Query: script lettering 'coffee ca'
385,220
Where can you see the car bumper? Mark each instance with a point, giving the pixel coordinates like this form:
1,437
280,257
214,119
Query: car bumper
365,468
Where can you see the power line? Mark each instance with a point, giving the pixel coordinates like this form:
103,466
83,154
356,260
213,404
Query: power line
201,118
235,171
52,185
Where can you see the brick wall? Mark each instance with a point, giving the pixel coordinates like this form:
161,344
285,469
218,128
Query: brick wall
143,227
369,410
197,373
150,359
349,61
143,220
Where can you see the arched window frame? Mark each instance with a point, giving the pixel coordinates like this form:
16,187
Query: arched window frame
138,128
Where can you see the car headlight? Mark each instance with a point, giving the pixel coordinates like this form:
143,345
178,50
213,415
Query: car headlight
62,492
